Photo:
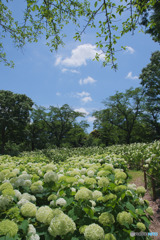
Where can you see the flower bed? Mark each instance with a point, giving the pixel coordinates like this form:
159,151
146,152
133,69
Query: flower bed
81,198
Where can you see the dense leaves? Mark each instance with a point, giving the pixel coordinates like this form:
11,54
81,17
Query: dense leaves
49,18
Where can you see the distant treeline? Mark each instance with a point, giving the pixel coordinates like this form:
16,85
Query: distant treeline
132,116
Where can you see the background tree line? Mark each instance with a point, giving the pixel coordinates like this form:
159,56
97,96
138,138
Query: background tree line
132,116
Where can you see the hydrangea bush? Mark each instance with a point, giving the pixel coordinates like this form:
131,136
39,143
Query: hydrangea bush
82,198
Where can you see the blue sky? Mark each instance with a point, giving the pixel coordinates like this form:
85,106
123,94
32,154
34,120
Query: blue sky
70,75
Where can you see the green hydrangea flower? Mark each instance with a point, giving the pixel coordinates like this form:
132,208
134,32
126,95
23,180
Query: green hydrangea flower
120,188
50,177
37,187
44,215
94,232
84,194
124,218
149,210
106,219
89,180
82,229
61,224
103,182
6,185
29,209
141,191
108,167
96,194
120,176
103,173
8,228
8,192
141,226
52,197
109,236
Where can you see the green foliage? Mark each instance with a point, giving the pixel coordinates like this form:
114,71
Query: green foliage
81,210
150,80
14,117
49,18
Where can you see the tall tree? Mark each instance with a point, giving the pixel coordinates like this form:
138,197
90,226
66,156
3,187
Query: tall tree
124,110
151,20
49,17
14,116
150,81
60,121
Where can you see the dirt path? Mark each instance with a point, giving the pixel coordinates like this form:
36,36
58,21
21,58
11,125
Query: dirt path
155,224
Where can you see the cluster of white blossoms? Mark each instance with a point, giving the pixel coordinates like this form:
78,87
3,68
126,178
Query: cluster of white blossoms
106,219
50,177
124,218
94,232
61,224
84,194
44,215
32,233
8,228
50,195
29,209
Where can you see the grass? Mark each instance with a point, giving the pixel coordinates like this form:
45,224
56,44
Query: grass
134,175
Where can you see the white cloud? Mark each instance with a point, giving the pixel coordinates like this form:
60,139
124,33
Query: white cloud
129,76
58,94
87,80
86,99
81,110
83,94
80,55
69,70
58,60
130,49
91,119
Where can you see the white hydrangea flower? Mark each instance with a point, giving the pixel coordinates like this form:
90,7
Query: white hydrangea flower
61,202
61,224
22,202
31,229
60,175
96,194
90,173
94,232
18,194
83,170
28,197
44,215
73,189
27,183
132,186
50,177
16,170
93,203
34,237
52,203
81,180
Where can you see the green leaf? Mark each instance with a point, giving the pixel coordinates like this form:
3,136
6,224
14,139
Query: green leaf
145,219
24,226
130,206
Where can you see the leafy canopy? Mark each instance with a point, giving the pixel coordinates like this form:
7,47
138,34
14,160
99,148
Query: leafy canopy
111,20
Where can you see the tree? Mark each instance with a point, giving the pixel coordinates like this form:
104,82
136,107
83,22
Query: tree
150,81
152,21
60,121
49,17
108,132
124,109
14,117
37,130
